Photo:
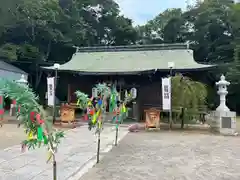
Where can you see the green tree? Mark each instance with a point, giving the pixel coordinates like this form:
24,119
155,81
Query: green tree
211,33
33,31
41,32
167,27
211,27
188,95
233,73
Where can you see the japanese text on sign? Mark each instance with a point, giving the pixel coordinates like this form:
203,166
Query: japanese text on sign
51,91
166,93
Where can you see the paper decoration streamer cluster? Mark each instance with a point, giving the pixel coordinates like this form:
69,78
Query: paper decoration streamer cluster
95,106
119,107
37,127
102,95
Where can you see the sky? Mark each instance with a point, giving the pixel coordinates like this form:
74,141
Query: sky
140,11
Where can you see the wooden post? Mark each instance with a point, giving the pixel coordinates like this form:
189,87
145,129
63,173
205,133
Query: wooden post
136,110
1,108
69,93
182,120
116,135
98,146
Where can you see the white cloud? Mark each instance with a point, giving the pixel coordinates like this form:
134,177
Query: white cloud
143,10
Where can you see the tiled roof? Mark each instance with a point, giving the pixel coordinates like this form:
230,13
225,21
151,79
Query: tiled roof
131,59
8,67
11,72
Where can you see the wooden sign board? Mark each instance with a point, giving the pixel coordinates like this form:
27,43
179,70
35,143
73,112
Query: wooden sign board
152,118
67,114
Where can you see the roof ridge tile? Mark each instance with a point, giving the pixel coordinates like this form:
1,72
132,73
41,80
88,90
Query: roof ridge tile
150,47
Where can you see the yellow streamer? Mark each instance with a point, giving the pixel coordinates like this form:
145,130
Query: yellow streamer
99,124
89,103
78,102
30,135
124,108
94,118
98,113
49,157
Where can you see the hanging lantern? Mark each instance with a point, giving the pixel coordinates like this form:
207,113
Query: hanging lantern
94,92
126,94
133,93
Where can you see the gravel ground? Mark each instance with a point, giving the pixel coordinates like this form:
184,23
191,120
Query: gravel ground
170,156
11,135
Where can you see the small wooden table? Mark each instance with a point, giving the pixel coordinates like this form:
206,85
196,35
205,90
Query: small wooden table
152,118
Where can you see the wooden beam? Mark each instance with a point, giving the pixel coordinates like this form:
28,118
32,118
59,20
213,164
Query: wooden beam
69,93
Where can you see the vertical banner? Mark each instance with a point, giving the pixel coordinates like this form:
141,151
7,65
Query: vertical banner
166,93
50,91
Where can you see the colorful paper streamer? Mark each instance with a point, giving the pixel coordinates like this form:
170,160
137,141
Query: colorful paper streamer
40,133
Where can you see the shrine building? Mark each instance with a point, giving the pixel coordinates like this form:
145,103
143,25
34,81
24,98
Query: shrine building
139,66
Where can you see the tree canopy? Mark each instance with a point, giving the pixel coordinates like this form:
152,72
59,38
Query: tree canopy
212,29
42,30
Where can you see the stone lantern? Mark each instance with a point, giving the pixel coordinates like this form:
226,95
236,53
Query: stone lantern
22,81
222,92
223,120
13,108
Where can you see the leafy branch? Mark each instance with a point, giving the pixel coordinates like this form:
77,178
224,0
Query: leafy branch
83,99
28,103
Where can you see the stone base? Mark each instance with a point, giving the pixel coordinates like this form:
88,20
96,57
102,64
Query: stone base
13,110
223,122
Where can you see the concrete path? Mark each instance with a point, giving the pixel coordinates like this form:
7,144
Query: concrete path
170,156
76,150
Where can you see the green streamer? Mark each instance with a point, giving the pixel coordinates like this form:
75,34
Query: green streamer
40,133
45,140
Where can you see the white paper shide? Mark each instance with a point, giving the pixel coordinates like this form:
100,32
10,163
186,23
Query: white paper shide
166,94
51,91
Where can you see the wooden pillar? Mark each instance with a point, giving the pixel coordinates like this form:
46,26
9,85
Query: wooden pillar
136,111
69,93
137,108
1,108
